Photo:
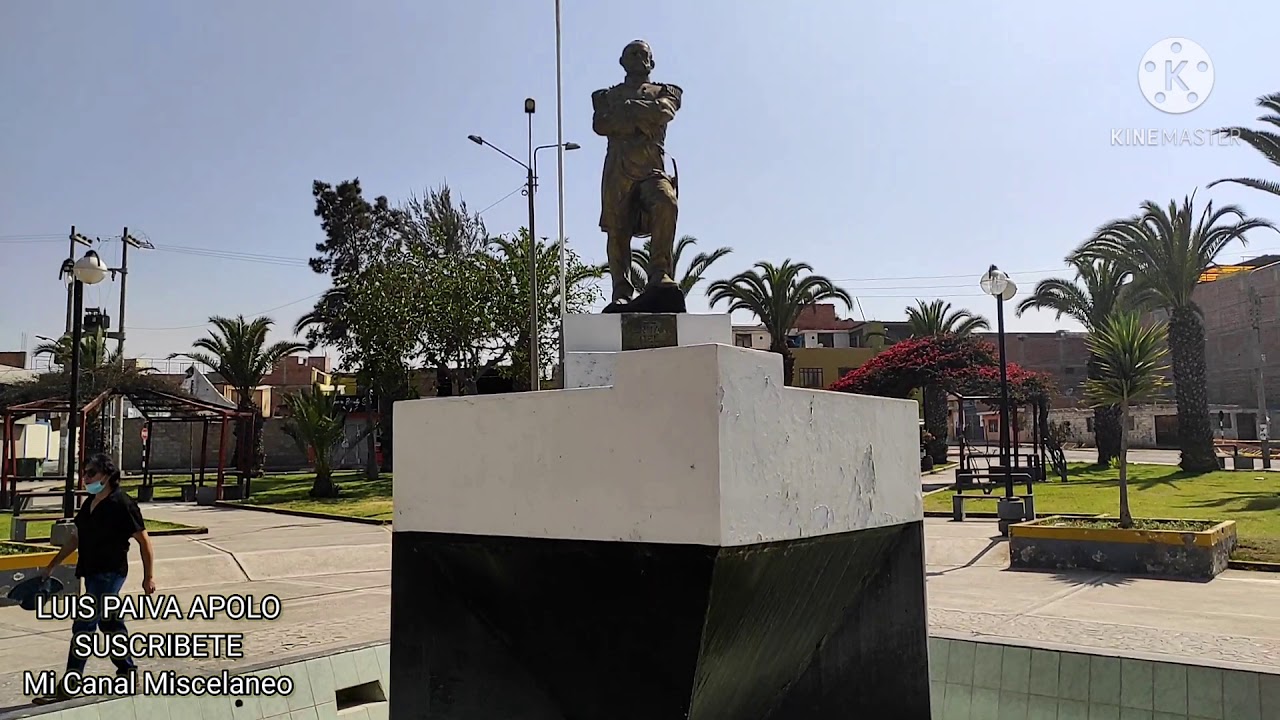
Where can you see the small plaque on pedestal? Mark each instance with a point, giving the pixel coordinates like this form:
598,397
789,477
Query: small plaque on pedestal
644,332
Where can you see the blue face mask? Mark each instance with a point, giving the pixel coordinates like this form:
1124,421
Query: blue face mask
94,488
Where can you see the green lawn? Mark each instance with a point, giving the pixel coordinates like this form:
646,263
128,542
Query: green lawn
39,531
169,487
360,498
1163,491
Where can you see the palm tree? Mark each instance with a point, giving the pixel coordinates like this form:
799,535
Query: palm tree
1264,141
935,319
322,323
777,294
237,350
692,275
1101,288
1130,369
318,427
94,352
1166,251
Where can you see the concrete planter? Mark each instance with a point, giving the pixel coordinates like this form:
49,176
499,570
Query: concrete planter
206,495
16,568
1044,545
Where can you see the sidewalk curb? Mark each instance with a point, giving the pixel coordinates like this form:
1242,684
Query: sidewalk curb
939,469
302,513
195,530
1254,565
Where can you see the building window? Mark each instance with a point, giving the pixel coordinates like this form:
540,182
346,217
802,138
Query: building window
1088,424
855,339
811,377
826,340
1133,425
1224,420
742,340
795,341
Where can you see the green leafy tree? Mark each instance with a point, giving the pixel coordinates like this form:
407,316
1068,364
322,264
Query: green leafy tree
355,229
936,319
776,295
1166,251
470,309
512,257
237,349
1130,370
1101,288
692,275
362,314
383,323
1266,142
319,427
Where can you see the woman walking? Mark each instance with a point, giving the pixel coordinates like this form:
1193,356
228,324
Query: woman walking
106,522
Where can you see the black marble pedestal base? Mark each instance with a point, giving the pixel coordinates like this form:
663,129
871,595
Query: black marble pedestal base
536,629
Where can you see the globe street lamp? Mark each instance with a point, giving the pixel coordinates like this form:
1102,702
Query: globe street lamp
531,184
998,284
88,270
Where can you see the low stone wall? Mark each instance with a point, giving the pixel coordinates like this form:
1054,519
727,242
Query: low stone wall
175,447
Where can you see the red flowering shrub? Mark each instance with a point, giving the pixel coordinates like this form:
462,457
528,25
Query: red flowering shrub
962,364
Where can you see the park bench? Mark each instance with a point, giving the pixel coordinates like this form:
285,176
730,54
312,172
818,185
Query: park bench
25,511
991,486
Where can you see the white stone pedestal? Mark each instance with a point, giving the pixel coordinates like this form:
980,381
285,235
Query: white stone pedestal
692,540
592,343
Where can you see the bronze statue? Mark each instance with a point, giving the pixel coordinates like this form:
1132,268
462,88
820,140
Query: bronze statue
638,197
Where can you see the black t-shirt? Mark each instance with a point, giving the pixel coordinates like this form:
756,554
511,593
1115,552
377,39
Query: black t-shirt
104,534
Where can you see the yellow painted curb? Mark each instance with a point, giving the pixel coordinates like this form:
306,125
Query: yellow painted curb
31,560
1044,529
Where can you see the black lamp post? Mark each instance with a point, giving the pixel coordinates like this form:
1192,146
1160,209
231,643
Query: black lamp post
88,270
531,184
998,284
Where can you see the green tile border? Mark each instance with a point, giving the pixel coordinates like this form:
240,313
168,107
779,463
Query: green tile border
983,678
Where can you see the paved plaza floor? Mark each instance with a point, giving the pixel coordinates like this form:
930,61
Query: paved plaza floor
334,578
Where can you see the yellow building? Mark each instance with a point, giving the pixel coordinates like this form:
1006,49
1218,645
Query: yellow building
818,367
825,346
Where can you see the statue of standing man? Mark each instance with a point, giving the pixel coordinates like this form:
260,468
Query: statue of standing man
638,197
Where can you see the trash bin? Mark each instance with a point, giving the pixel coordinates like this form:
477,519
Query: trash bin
30,467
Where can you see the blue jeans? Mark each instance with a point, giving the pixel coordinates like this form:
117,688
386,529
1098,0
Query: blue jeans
99,585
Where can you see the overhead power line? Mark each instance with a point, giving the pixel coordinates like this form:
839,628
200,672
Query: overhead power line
206,322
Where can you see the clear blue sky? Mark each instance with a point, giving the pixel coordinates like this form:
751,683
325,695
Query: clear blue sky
898,147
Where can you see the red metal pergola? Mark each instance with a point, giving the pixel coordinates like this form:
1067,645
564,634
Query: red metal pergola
156,406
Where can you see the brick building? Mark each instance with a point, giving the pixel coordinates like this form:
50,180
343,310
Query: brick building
1062,355
1231,298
